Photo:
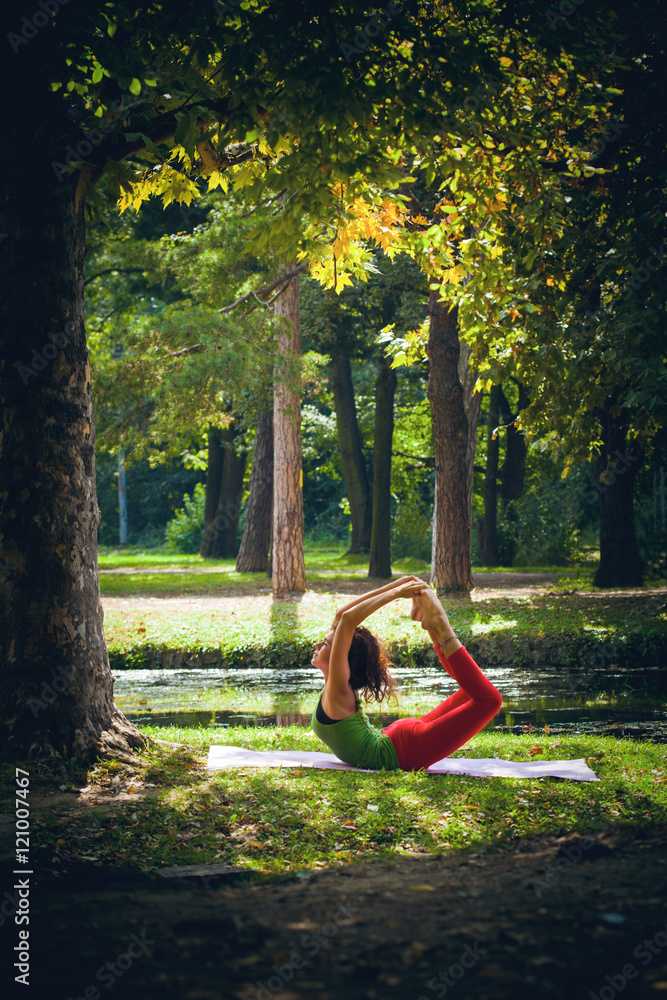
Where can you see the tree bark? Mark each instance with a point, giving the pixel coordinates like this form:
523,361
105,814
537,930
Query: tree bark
253,554
471,404
288,569
616,469
56,687
219,540
216,457
451,565
385,390
352,457
514,466
488,537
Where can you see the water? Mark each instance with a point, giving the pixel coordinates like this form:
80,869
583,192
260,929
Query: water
268,697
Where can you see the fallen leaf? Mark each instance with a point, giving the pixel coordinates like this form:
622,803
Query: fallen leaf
251,842
535,750
421,888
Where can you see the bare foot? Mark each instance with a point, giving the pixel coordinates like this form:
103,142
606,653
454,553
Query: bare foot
427,609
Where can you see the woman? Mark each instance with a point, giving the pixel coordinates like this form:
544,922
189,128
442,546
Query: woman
352,660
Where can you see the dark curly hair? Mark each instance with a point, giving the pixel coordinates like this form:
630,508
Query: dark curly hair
369,666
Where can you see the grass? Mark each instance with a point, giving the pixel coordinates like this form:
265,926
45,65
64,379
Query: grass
273,822
282,634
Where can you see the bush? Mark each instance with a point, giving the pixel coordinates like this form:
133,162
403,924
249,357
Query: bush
184,532
412,531
546,526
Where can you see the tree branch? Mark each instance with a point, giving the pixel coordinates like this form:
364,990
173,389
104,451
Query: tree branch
115,270
283,280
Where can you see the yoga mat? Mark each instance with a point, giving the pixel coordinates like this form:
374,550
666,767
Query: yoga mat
482,767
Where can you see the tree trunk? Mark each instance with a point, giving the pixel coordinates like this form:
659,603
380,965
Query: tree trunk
352,458
216,456
56,687
471,404
451,566
385,390
289,573
488,542
253,555
616,469
514,466
219,540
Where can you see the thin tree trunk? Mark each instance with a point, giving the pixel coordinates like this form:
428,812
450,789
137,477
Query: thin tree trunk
451,565
216,456
488,542
253,554
471,404
56,687
288,569
514,466
385,390
616,469
219,540
352,457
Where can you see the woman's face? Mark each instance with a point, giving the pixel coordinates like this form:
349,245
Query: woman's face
322,653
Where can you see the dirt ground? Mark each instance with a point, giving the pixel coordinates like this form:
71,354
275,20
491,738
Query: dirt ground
544,917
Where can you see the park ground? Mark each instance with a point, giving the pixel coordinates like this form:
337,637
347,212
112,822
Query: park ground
296,883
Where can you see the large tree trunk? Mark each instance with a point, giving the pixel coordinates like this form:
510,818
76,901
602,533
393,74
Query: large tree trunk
288,569
253,555
451,566
616,469
216,458
219,540
352,457
385,390
487,528
56,688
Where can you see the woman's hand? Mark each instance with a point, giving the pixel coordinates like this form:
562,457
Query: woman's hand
409,586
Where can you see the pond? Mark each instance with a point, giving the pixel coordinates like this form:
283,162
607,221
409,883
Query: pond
269,697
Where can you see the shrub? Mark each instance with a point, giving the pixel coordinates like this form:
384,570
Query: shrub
412,530
184,532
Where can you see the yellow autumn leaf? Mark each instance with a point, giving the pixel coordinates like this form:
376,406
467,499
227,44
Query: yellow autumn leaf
218,179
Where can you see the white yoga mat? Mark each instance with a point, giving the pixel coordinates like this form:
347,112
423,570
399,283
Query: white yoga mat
482,767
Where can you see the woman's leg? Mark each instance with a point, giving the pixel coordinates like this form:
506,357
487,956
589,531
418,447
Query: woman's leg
421,742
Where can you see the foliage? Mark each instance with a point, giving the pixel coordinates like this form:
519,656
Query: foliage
184,532
412,529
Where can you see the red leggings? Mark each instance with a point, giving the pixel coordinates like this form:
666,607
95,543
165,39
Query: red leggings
421,742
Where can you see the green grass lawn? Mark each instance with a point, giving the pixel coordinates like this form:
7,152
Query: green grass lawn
277,821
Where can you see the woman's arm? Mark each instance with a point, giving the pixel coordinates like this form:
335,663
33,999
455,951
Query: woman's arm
372,593
353,615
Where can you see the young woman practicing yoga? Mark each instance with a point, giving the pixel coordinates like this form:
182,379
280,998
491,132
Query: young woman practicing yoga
351,660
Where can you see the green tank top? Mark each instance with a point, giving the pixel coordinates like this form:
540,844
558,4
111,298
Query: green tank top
356,742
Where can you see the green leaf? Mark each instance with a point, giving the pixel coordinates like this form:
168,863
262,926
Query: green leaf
111,30
135,87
